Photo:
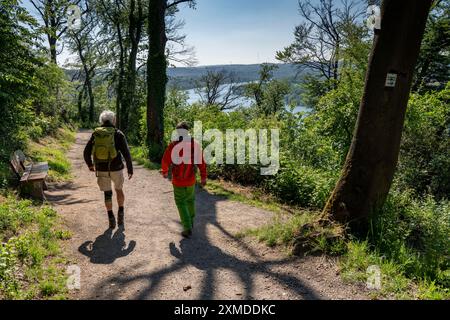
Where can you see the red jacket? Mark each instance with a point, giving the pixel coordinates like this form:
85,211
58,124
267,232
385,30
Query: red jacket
183,174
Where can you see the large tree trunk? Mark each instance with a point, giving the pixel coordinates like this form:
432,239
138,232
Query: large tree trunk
88,79
156,78
120,82
136,21
372,158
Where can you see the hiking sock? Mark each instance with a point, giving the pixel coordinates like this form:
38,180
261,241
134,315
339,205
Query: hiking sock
121,216
112,219
186,233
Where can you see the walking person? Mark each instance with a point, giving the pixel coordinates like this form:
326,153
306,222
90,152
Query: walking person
104,154
183,156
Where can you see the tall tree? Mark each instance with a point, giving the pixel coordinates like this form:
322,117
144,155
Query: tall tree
432,71
255,90
369,168
136,19
53,14
157,72
319,39
82,42
218,88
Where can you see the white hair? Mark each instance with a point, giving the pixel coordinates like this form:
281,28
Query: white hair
107,116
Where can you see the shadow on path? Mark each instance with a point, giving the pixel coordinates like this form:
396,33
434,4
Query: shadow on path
107,247
200,253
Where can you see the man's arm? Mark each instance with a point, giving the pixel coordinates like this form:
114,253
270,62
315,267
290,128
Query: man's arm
166,161
125,151
87,154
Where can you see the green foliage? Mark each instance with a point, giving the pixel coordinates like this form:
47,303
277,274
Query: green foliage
414,234
140,155
425,151
282,230
53,149
35,96
29,253
431,70
301,185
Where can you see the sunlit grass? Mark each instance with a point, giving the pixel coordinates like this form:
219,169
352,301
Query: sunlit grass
53,149
31,260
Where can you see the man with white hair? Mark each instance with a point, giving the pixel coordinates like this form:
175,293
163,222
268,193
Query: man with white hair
104,154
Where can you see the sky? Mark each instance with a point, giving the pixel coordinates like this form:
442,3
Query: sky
234,31
239,31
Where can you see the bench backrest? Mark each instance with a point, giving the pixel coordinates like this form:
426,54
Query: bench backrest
16,164
21,157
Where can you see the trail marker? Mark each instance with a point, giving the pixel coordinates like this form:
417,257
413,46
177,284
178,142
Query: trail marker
391,80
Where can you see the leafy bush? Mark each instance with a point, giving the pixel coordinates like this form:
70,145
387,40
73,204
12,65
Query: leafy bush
424,163
414,234
301,185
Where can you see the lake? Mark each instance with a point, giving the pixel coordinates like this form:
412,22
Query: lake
193,97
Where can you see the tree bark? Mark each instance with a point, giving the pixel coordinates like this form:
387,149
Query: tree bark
156,78
121,76
370,165
136,21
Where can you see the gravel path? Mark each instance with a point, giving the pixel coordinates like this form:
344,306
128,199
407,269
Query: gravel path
150,260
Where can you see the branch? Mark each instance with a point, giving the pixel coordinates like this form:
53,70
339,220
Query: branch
175,3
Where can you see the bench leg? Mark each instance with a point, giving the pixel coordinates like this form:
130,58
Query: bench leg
38,190
34,189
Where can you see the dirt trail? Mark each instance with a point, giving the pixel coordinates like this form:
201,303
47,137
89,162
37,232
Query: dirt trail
150,260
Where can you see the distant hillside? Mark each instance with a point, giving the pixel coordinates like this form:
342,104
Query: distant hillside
186,77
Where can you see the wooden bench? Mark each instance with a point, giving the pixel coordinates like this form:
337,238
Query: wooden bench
31,175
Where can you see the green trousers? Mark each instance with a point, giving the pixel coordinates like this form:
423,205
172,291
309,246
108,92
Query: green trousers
185,201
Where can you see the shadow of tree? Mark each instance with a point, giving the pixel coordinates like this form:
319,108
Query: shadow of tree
200,253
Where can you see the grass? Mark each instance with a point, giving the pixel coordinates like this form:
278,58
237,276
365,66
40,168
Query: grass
53,149
32,265
409,241
140,155
251,196
31,260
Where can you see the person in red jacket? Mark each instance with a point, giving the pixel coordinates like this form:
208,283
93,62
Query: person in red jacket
184,156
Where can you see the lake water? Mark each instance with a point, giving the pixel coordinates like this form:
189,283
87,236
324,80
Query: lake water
193,97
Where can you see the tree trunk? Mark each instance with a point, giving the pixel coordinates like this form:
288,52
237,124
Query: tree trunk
80,104
156,78
88,78
52,44
91,98
136,20
120,82
369,168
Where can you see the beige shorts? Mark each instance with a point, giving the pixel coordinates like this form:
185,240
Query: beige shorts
104,180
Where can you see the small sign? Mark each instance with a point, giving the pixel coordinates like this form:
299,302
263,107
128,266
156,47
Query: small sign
391,80
374,17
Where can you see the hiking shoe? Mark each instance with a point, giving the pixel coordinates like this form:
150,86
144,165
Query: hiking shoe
112,220
186,233
120,218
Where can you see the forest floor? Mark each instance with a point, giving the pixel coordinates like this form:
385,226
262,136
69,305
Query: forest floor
150,259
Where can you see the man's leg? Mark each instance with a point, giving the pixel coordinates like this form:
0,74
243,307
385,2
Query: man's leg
121,202
104,182
190,202
118,179
180,200
109,207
